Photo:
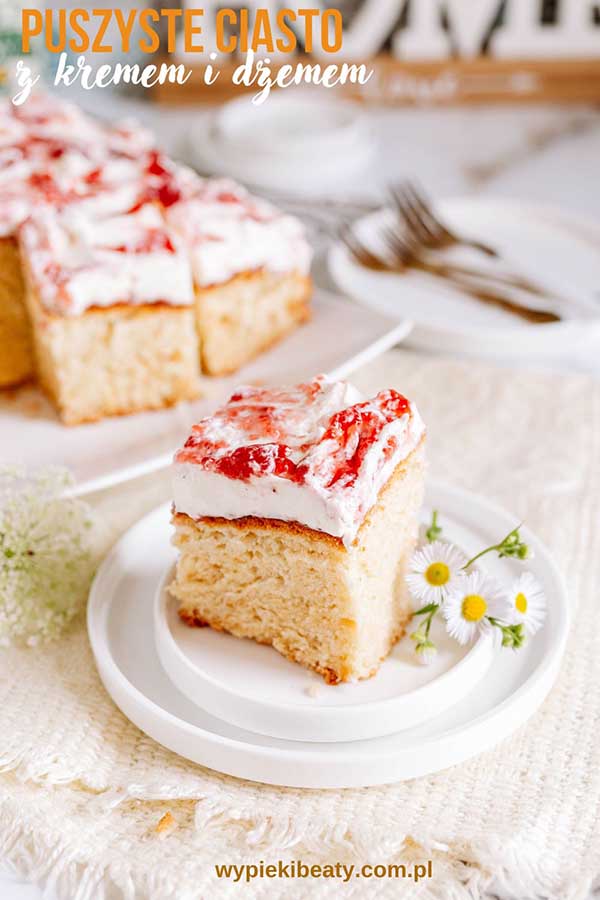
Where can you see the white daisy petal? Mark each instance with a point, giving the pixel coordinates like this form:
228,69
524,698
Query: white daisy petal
473,600
433,571
527,603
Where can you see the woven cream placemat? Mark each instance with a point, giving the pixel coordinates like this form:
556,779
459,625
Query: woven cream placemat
82,790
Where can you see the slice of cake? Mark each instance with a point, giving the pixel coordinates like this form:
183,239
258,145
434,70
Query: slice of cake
295,514
51,153
250,264
111,307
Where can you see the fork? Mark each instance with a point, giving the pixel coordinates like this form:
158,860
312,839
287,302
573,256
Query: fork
404,255
420,219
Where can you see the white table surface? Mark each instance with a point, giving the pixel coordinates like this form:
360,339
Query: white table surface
542,154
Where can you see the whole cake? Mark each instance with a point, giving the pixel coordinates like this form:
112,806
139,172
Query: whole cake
224,272
295,514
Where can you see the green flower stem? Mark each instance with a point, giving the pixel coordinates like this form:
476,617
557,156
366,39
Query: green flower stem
512,635
511,545
429,612
429,620
434,530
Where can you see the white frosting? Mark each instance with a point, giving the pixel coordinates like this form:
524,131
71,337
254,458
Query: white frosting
229,231
337,508
54,155
75,261
15,170
51,152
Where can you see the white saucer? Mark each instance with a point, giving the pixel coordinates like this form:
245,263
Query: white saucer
120,626
297,142
556,250
254,687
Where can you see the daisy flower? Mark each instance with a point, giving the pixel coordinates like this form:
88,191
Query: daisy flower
434,570
527,603
474,599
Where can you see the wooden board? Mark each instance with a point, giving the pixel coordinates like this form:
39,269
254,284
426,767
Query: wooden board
397,83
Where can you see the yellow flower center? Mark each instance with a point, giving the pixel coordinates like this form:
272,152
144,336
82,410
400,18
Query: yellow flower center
521,603
474,608
437,574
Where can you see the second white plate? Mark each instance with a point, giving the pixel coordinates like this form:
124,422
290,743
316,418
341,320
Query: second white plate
556,250
120,626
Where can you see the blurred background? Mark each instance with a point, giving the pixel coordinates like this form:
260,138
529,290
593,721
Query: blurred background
495,102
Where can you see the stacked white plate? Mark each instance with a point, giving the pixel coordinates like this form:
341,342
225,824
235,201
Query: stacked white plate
242,709
297,143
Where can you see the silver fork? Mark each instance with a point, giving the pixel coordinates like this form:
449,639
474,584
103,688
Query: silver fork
419,218
421,227
403,253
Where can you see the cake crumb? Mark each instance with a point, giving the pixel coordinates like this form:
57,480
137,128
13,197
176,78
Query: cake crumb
166,825
312,690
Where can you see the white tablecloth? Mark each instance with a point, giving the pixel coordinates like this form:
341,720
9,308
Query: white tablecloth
80,793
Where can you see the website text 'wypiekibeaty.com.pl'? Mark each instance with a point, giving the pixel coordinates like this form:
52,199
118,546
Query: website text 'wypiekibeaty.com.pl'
337,871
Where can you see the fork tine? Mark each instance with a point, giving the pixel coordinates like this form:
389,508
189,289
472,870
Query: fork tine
401,249
389,240
394,240
404,210
426,208
429,231
347,239
357,249
422,205
414,221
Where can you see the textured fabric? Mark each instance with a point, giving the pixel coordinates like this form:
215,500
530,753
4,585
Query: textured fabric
82,789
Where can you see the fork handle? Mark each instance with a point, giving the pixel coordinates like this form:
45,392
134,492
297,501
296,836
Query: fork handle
512,281
476,245
537,316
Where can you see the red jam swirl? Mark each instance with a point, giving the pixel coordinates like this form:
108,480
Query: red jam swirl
353,432
268,414
257,460
154,241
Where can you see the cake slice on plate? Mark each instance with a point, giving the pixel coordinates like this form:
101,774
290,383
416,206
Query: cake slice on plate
250,264
295,514
111,307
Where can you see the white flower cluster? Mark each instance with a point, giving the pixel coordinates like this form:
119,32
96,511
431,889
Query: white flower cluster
442,578
47,555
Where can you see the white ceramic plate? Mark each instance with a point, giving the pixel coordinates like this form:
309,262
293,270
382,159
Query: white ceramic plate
297,142
558,251
340,337
254,687
120,626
